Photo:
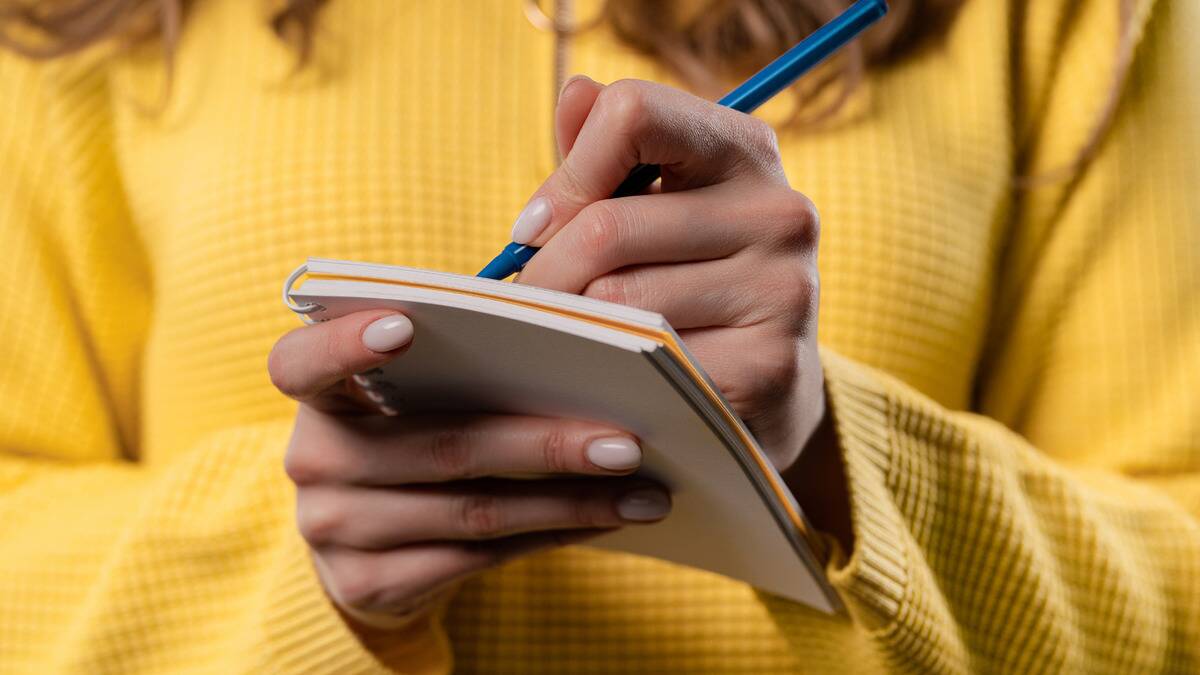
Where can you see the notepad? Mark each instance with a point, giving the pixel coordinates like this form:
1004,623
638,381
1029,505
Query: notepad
491,346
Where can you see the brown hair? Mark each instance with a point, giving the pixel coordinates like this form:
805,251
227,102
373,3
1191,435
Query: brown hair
50,28
718,40
722,40
723,37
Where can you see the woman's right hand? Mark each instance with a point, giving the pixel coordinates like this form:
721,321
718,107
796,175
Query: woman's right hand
397,509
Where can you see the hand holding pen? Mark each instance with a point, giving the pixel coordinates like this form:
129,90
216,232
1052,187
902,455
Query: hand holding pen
746,98
725,250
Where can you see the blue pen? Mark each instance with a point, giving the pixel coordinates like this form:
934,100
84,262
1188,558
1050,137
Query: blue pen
764,84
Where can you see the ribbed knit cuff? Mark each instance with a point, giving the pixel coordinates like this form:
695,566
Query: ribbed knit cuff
304,633
874,578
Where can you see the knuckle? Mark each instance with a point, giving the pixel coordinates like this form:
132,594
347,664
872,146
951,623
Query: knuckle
479,516
775,373
451,454
604,222
624,103
808,287
806,297
570,184
306,463
610,288
554,451
767,375
628,288
354,584
754,147
319,518
797,288
762,139
801,223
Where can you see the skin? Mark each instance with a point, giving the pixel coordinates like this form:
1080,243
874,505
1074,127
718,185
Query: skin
397,510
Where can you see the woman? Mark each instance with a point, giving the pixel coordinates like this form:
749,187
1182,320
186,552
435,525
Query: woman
998,435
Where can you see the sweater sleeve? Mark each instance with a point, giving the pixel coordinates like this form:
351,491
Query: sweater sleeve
1056,527
108,564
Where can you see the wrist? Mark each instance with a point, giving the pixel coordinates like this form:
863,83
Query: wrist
817,480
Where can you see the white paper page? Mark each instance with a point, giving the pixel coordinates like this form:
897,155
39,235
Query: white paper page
625,314
493,357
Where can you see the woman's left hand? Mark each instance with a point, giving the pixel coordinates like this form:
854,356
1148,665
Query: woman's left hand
726,250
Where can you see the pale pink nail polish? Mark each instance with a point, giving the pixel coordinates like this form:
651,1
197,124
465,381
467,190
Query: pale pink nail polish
533,219
614,454
644,504
388,333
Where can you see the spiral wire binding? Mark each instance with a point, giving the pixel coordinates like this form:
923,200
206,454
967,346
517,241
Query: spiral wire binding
365,381
305,309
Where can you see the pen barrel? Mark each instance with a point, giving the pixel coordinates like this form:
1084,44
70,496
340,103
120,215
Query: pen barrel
778,75
783,71
642,177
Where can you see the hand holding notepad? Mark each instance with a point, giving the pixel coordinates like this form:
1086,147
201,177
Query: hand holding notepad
488,346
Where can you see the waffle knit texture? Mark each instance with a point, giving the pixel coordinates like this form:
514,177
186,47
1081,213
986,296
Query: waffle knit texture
1012,372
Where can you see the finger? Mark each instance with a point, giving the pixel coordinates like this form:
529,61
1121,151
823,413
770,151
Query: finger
751,379
380,518
762,374
437,448
708,223
695,141
575,101
614,233
741,291
308,361
392,581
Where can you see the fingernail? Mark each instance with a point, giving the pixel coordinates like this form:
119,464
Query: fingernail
614,454
569,81
533,219
390,332
644,504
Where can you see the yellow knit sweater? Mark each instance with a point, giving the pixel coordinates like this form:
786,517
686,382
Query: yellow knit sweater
1012,372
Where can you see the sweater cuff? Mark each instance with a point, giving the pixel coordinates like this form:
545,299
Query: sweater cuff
304,632
874,579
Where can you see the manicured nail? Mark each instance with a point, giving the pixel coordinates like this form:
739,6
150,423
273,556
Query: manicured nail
390,332
533,219
614,454
644,504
